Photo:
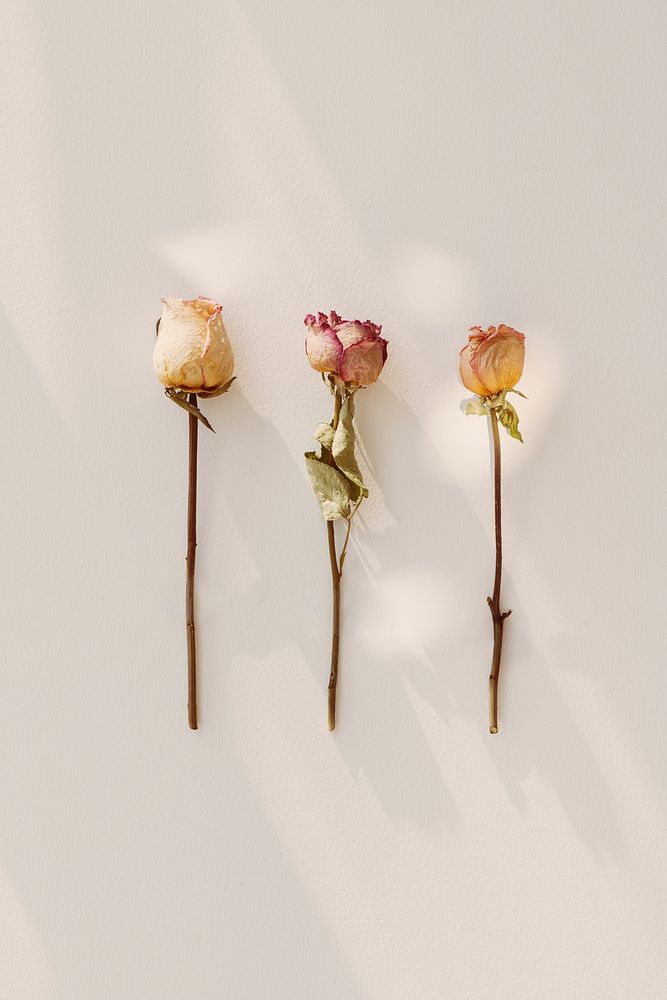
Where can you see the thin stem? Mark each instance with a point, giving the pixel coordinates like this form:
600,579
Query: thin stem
347,536
193,428
335,627
335,582
494,602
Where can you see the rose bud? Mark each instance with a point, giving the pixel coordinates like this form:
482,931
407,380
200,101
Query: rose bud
192,351
353,350
492,360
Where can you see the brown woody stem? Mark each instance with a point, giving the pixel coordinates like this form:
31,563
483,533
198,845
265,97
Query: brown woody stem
335,582
193,427
494,602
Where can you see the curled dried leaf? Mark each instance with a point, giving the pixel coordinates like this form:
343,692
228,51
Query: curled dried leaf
181,399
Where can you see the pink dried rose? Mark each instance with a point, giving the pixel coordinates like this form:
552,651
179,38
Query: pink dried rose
353,350
350,355
492,360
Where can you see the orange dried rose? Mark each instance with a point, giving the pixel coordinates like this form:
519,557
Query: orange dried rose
492,360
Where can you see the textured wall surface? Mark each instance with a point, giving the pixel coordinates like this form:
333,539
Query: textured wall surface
430,167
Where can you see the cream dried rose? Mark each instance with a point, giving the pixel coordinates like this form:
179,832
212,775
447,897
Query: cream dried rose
192,351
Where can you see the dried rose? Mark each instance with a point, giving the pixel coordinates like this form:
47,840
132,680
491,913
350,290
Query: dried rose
490,365
192,351
492,360
353,350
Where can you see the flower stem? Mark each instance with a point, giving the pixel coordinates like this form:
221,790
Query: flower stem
347,536
335,628
335,582
193,427
494,602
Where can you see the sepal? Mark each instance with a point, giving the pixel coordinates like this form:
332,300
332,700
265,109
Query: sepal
181,399
483,405
210,393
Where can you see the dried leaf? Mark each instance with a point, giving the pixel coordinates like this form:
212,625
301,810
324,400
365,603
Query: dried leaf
325,435
343,447
477,407
509,418
181,399
331,487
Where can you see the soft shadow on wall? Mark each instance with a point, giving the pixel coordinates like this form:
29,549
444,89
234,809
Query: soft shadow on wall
112,799
103,770
547,214
435,532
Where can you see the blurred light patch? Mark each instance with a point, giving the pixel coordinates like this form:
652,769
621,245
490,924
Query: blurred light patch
432,286
34,203
222,263
24,970
408,610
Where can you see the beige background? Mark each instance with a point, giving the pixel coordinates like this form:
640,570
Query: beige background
430,167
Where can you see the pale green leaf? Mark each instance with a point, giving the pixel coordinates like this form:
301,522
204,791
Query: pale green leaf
343,447
330,510
325,435
509,418
476,407
331,487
